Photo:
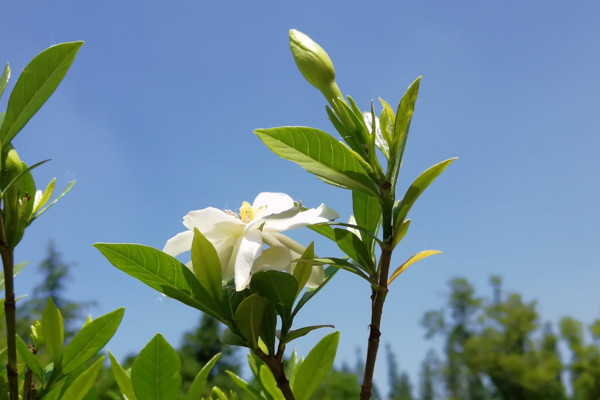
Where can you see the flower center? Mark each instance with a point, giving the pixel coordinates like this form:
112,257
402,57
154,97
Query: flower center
246,213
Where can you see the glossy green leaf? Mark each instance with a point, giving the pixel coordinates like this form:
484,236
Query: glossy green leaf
84,382
320,154
417,257
353,246
16,269
400,231
279,288
298,333
245,386
161,272
122,378
249,318
417,188
197,387
324,230
90,340
386,122
401,127
315,367
36,83
345,264
4,79
367,213
329,273
30,359
155,374
232,339
269,384
206,264
53,330
268,331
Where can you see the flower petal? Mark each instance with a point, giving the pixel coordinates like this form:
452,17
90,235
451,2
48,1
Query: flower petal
179,243
304,218
214,223
268,203
274,258
249,250
227,251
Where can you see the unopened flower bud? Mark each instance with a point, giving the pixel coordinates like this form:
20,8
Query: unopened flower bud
312,61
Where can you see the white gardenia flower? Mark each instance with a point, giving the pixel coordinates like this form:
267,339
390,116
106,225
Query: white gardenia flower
239,239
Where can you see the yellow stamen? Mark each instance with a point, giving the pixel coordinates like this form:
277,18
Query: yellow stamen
246,213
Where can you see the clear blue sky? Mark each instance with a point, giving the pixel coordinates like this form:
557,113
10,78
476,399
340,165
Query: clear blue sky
155,119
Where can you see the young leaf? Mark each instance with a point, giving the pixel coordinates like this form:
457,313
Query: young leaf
195,390
298,333
206,264
37,82
416,189
320,154
367,212
30,359
244,386
402,124
53,330
417,257
84,382
4,79
155,374
269,384
161,272
249,318
351,245
122,378
315,367
53,202
90,340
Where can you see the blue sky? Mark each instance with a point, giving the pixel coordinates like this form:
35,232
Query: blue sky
155,119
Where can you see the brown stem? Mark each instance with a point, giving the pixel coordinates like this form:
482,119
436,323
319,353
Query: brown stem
276,366
9,310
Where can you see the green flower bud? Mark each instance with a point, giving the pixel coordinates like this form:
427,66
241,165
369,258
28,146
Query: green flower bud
17,201
312,61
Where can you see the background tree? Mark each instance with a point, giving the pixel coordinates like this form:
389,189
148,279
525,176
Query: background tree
400,386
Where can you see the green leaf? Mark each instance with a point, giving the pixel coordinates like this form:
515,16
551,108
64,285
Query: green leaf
161,272
155,374
417,257
320,154
195,390
84,382
353,246
25,173
269,384
367,212
122,378
245,386
298,333
417,188
230,338
60,196
4,79
206,264
401,127
249,318
345,264
329,273
16,269
268,330
279,288
315,367
53,330
54,394
90,340
386,120
303,269
36,83
400,231
30,359
324,230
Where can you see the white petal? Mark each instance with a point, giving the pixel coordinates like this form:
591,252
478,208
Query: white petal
274,258
316,277
268,203
179,243
214,223
249,250
227,250
304,218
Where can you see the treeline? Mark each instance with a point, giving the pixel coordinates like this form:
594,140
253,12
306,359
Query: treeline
495,347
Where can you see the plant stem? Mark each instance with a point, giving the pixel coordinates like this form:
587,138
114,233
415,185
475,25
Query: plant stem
378,294
276,366
9,310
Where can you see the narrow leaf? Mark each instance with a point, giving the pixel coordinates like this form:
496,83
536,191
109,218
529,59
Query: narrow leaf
4,78
353,246
245,386
320,154
298,333
36,83
206,264
197,387
417,188
122,378
345,264
404,114
84,382
53,330
329,273
324,230
315,367
30,359
417,257
90,340
269,383
56,200
155,374
400,231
